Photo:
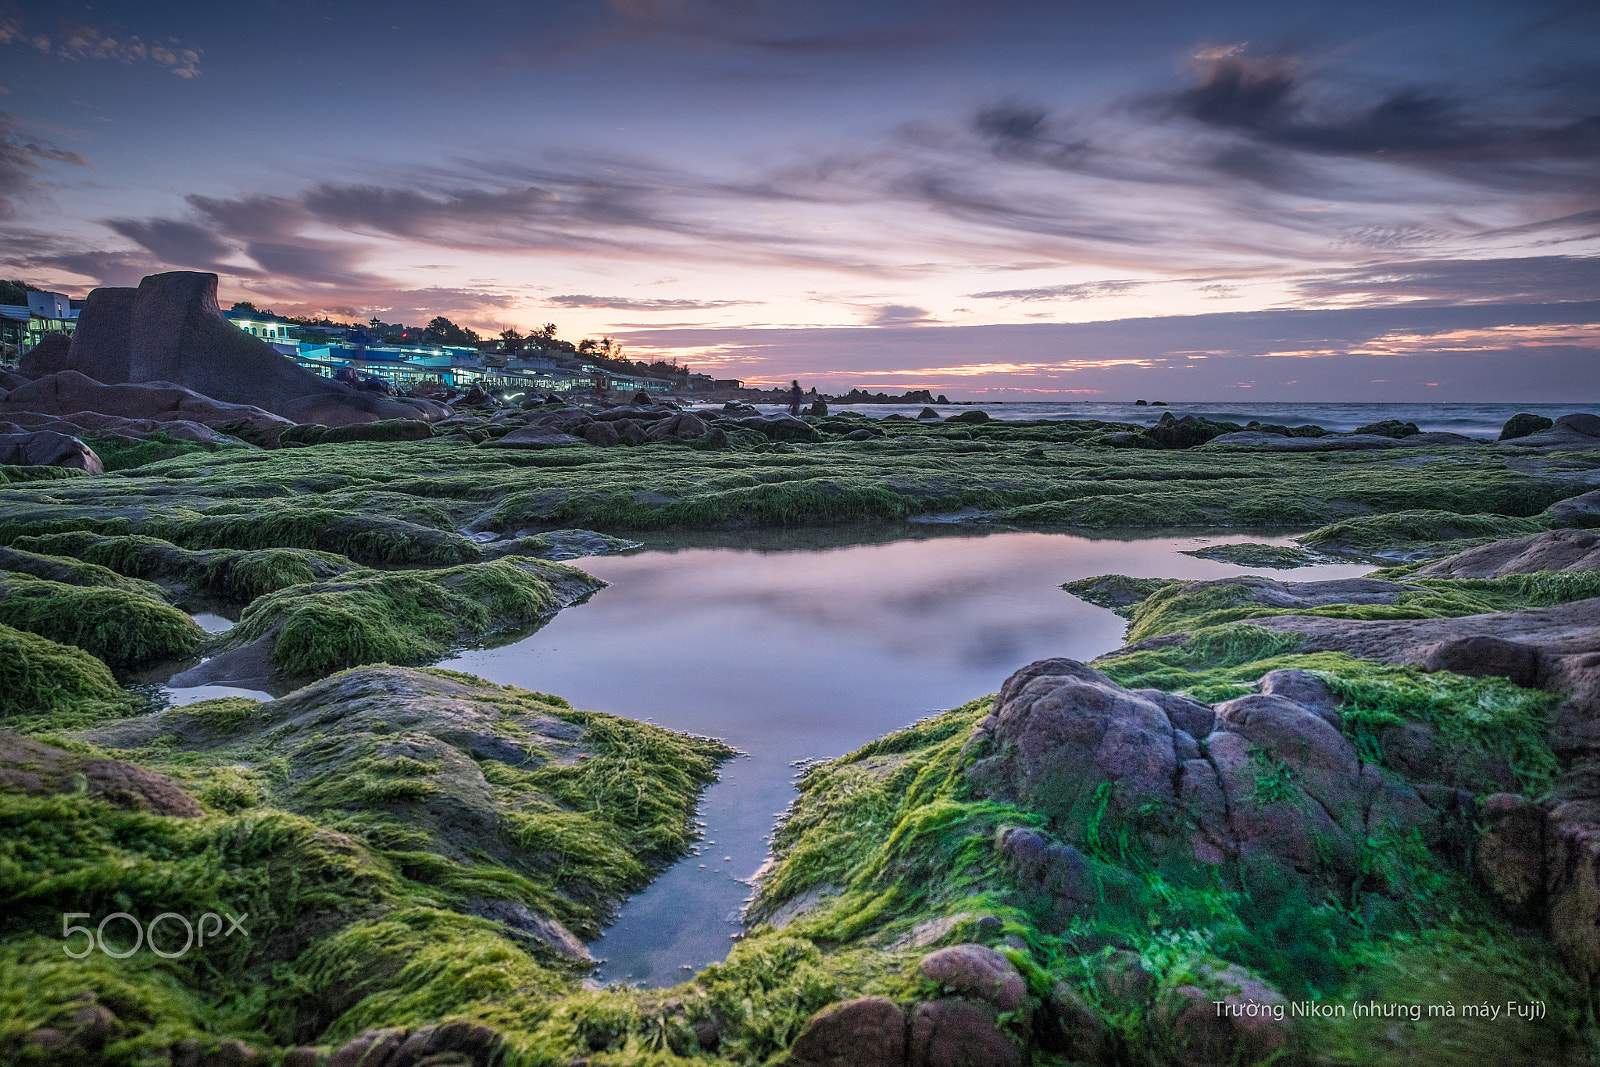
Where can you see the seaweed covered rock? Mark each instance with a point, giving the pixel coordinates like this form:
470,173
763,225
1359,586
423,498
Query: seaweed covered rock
1228,1016
978,972
55,683
36,769
69,396
234,574
465,771
959,1033
1272,783
1523,424
1580,510
387,617
1576,431
122,627
1188,431
1390,428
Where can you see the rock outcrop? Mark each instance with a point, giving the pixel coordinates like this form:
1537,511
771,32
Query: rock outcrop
72,399
170,329
36,769
47,448
1343,442
1270,782
1576,431
1557,550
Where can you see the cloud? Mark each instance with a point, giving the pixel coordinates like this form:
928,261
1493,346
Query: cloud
179,243
898,315
22,160
1081,291
1460,281
76,41
621,303
1267,102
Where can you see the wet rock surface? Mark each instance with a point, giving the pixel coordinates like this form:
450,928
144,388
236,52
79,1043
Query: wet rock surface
1557,550
37,769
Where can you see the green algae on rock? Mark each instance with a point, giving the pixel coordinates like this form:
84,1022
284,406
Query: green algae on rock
369,616
123,628
229,573
48,685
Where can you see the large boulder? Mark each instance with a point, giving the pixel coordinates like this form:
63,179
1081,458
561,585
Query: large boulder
1556,550
46,357
979,972
1577,431
1273,783
1522,424
171,330
75,400
46,448
867,1032
1581,510
27,766
959,1033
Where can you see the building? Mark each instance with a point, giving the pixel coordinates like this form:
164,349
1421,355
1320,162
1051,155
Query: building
24,325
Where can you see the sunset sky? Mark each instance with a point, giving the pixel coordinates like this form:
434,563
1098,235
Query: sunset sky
1010,199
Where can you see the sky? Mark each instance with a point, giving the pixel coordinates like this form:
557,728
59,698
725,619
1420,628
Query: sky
993,199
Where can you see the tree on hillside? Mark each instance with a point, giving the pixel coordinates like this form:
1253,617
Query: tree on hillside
445,332
15,292
511,340
244,305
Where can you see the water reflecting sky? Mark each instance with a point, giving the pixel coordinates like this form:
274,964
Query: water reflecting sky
802,653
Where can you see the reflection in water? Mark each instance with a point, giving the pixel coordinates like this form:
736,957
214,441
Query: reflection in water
808,653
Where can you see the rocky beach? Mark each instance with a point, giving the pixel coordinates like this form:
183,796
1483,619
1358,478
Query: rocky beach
1288,821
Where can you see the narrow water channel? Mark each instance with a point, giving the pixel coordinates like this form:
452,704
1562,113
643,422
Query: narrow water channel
797,647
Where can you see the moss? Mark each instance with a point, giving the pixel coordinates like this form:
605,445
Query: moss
11,474
119,452
1418,526
367,539
1276,557
227,573
122,628
44,684
408,617
69,571
1116,591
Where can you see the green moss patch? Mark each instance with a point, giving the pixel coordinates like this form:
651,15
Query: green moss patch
1440,532
125,629
228,573
1274,557
70,571
405,617
46,685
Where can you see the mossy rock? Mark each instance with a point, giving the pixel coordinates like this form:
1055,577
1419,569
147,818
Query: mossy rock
52,685
1418,530
403,617
69,571
122,628
1246,554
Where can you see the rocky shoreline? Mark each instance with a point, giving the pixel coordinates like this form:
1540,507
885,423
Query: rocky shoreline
1279,793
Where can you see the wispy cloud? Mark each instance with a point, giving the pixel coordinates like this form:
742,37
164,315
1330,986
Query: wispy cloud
622,303
1080,291
77,41
22,161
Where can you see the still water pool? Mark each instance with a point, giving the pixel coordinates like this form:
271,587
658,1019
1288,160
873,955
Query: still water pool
799,647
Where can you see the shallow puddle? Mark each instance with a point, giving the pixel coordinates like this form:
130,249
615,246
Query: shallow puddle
793,648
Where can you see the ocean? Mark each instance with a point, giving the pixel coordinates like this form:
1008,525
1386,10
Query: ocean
1474,420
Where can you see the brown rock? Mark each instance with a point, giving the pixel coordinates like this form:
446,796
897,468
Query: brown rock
868,1032
46,448
1069,1025
1554,550
1251,1025
171,330
535,437
1581,510
304,1056
976,971
1124,978
1484,655
37,769
1510,855
46,357
958,1033
601,434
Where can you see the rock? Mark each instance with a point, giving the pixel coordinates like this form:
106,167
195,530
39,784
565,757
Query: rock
976,415
46,448
1123,978
631,432
1069,1026
46,357
1582,510
1073,746
979,972
958,1033
1058,874
372,1047
781,427
1185,432
1305,689
69,395
819,409
37,769
535,437
861,435
601,434
682,425
868,1032
171,330
1390,428
1556,550
1484,655
1510,855
1252,1024
928,413
1575,431
1523,424
533,931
